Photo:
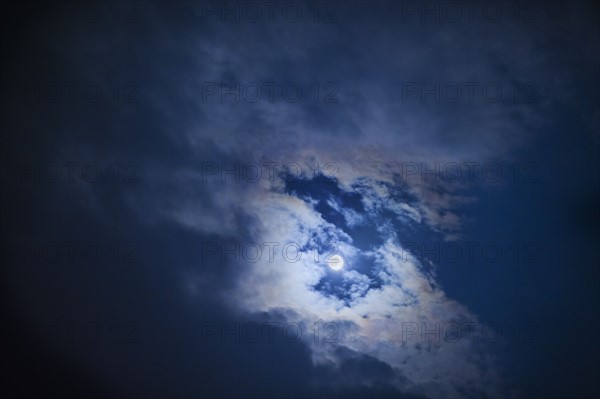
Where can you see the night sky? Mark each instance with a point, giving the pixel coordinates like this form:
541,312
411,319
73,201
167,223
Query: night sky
300,199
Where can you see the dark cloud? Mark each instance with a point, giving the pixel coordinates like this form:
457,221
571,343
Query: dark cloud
158,126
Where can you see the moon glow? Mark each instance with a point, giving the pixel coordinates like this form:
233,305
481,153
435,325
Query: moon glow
336,262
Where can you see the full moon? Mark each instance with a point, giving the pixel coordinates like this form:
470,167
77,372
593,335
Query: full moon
336,262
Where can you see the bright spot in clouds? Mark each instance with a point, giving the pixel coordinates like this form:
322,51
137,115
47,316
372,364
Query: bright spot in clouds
336,262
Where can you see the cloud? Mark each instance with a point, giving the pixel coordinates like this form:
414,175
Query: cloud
372,320
369,135
351,217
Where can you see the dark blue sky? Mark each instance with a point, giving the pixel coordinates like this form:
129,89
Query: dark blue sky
130,135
